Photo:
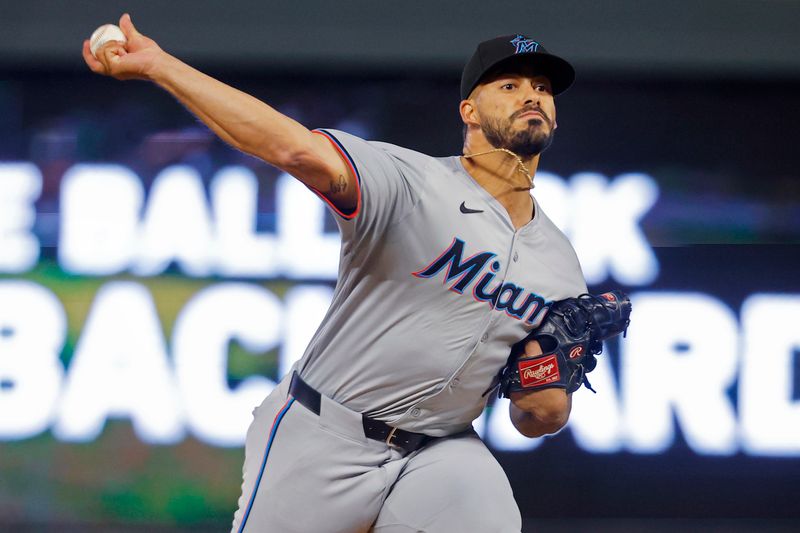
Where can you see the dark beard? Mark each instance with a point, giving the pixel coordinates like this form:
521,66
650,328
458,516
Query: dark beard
529,142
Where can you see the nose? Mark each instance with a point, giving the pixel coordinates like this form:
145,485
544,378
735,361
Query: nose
530,94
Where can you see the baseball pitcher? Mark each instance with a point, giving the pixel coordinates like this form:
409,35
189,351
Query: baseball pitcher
452,283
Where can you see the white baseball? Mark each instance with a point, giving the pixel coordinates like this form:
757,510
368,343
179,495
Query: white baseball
104,34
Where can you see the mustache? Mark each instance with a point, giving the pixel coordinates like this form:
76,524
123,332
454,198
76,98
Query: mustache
537,109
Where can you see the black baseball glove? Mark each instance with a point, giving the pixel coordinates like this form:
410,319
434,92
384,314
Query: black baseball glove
570,335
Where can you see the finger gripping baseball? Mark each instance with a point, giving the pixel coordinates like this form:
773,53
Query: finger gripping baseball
570,336
105,34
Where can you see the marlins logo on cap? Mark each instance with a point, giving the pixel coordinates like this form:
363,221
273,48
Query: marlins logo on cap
510,49
524,45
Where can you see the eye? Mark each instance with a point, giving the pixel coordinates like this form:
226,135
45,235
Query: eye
507,86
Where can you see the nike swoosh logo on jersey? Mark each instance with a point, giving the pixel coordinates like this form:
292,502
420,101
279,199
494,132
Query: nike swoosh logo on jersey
466,210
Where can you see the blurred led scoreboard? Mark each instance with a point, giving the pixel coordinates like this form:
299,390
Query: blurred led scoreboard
724,377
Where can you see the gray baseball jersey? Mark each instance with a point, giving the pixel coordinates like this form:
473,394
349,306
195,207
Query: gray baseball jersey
435,285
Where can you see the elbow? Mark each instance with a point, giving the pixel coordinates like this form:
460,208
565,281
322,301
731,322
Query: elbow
541,423
305,165
292,159
540,413
548,421
286,153
297,155
288,160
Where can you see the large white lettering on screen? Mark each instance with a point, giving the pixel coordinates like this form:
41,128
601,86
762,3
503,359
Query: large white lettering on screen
601,218
20,186
695,343
108,228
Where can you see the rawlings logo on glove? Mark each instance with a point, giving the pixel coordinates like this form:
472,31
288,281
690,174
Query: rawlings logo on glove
539,371
571,335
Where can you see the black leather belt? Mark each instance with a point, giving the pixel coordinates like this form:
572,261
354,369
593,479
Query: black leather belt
373,429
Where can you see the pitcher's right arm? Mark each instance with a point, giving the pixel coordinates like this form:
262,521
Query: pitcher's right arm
239,119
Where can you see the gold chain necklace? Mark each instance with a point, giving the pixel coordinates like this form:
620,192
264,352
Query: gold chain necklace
520,165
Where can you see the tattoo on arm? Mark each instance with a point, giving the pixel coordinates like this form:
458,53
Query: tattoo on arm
338,185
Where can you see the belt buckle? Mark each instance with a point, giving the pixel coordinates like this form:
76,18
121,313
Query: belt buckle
391,437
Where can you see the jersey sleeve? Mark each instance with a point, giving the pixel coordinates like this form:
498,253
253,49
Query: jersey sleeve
385,192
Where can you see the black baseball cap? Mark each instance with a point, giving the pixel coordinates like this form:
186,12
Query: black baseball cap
510,49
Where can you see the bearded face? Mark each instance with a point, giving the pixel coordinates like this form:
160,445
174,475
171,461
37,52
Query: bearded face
525,137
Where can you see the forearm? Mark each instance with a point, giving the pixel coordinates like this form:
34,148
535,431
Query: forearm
542,416
239,119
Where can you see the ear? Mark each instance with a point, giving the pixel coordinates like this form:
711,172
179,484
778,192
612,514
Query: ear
469,113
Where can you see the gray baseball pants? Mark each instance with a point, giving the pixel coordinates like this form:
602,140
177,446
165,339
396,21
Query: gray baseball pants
305,473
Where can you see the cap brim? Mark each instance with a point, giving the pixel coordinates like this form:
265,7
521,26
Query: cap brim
558,71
